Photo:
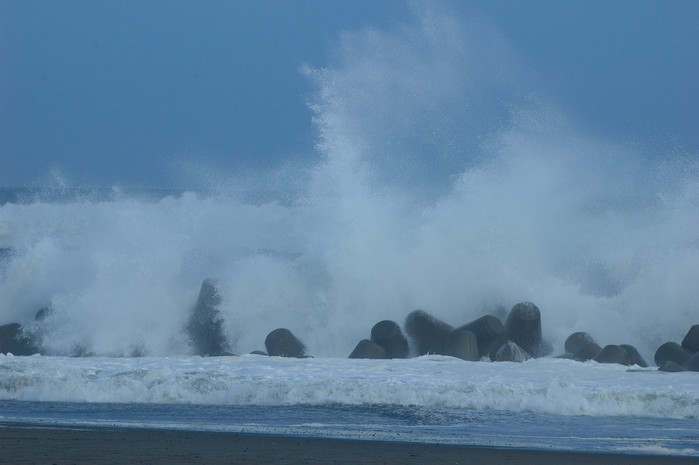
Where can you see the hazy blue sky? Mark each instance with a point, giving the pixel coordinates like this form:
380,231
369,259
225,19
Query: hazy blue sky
109,92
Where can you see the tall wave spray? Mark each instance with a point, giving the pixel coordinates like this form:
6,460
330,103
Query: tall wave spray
443,183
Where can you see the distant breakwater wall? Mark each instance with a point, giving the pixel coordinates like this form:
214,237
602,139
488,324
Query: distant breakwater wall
485,339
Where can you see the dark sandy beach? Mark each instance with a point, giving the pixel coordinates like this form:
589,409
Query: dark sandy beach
63,445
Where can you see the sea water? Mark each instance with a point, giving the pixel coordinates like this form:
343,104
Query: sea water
544,404
440,181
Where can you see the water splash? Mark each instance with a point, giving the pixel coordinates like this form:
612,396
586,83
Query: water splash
441,181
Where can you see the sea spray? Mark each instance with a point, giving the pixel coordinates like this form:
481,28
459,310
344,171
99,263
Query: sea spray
440,182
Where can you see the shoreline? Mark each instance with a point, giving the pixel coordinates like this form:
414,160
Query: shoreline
31,444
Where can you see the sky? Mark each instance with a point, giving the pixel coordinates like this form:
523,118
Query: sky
131,93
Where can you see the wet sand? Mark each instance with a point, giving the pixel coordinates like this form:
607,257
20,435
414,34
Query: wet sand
63,445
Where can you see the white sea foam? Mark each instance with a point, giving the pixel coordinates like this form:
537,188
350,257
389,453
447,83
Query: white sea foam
543,386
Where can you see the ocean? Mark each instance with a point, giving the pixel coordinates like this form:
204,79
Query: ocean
545,404
121,272
439,182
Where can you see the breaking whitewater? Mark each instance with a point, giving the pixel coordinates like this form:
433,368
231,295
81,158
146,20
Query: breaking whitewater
435,186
